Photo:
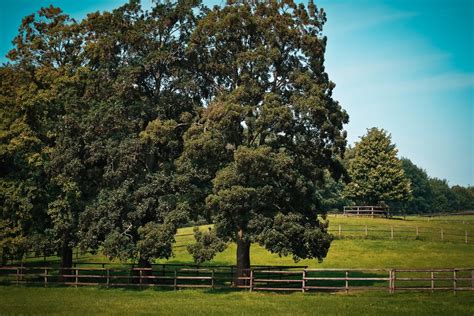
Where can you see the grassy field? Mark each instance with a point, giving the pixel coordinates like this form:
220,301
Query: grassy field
86,301
356,251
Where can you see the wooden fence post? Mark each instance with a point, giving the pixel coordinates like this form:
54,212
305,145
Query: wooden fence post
45,277
442,235
17,276
454,280
465,236
141,274
251,281
391,232
175,280
472,279
212,279
340,231
394,277
108,278
417,232
303,281
347,282
77,276
390,282
366,231
432,281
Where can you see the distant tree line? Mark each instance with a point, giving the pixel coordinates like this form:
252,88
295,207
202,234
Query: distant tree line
375,176
433,195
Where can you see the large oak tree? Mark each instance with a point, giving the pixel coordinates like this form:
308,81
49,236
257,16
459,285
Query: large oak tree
270,128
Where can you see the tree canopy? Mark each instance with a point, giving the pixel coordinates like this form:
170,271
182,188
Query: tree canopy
422,195
376,173
270,128
97,110
119,128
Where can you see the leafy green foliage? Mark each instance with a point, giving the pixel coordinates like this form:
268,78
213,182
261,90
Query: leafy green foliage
422,196
207,245
464,197
443,198
258,152
94,116
332,193
139,203
375,171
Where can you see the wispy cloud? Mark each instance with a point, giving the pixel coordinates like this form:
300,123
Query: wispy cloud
444,82
347,18
391,75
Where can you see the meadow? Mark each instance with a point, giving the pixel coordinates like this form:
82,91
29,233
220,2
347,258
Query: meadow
86,301
354,250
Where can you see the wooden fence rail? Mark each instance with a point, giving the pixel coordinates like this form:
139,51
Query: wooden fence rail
304,280
397,232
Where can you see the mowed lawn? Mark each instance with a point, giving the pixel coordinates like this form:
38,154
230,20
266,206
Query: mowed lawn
357,251
348,252
354,250
87,301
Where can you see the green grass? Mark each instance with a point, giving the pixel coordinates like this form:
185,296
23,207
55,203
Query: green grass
360,252
356,251
85,301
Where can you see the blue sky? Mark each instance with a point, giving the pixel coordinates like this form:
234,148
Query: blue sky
405,66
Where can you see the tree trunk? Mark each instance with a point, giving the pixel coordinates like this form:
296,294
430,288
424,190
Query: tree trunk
66,260
4,257
142,264
243,258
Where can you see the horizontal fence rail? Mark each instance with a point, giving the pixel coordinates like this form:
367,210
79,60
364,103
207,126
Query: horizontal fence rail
401,232
366,211
255,279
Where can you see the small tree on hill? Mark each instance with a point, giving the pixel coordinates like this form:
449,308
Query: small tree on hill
376,173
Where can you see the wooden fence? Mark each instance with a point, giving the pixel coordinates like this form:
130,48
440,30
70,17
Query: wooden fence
303,280
392,232
372,211
401,232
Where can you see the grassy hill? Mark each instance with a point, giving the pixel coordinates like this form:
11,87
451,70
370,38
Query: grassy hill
354,249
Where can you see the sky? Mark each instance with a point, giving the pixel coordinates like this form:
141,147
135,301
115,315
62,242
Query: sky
406,66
